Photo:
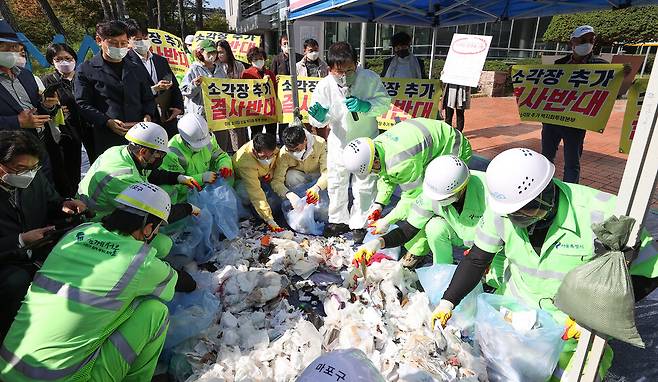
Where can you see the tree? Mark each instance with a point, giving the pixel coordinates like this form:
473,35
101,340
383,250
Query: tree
217,22
6,14
181,18
52,18
199,14
108,14
626,25
121,9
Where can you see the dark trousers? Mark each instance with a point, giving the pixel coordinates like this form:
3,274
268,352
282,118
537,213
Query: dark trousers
460,117
14,282
65,163
573,139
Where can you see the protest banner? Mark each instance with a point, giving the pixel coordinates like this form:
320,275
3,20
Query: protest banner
230,104
465,59
170,47
240,43
410,98
579,96
632,115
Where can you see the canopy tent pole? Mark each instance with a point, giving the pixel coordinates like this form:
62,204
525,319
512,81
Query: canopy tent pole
634,198
362,49
646,57
435,30
292,61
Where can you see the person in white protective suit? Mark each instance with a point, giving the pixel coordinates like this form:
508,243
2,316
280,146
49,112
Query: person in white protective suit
348,101
349,365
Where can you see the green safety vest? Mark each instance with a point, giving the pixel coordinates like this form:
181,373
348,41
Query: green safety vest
405,151
91,283
108,176
181,158
534,279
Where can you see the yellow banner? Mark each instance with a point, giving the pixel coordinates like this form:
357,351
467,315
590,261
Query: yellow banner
230,104
240,43
579,96
632,115
170,47
410,98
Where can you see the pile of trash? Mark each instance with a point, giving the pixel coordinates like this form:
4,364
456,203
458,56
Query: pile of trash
285,300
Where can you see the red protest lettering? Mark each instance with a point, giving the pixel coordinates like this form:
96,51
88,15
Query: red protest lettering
245,46
398,108
422,109
534,104
270,107
518,91
304,105
218,109
287,105
237,108
234,45
253,107
594,100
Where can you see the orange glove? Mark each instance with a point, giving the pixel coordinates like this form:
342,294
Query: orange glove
267,178
271,224
375,212
189,181
225,172
312,195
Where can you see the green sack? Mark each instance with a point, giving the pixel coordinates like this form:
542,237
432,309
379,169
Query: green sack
599,294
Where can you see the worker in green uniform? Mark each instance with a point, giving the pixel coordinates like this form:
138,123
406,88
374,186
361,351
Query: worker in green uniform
399,156
543,226
120,166
194,152
95,310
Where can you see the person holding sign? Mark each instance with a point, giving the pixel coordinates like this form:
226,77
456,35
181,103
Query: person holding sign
203,66
254,166
163,80
257,57
403,64
582,42
349,102
303,159
230,140
399,157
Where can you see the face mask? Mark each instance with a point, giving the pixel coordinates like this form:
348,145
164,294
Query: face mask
265,162
284,48
8,59
449,201
523,221
116,53
155,163
142,46
65,67
583,49
402,53
313,55
259,64
209,57
21,61
19,180
299,154
148,239
341,80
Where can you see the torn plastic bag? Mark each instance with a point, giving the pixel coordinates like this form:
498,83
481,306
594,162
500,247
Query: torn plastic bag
307,218
435,281
221,201
511,355
393,253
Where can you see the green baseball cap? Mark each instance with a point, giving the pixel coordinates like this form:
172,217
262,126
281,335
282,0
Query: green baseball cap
207,46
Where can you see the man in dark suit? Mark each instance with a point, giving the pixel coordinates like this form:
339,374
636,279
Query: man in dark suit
155,68
111,90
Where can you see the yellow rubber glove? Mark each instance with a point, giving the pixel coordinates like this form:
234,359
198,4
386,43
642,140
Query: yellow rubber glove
442,313
367,250
571,330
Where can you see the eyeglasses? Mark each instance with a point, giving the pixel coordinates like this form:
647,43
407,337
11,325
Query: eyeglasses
298,148
22,172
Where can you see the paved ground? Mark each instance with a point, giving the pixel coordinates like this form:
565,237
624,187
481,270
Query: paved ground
499,128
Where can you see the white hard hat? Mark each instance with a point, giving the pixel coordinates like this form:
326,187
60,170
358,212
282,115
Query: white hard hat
515,177
149,134
359,155
146,198
189,39
349,365
445,176
193,128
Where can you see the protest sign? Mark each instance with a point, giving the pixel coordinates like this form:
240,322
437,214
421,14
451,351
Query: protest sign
230,104
170,47
632,115
465,59
240,43
580,96
410,98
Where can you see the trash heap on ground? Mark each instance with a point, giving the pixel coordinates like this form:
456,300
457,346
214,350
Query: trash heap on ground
267,307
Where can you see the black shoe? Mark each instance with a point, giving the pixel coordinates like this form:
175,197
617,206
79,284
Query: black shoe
335,229
358,235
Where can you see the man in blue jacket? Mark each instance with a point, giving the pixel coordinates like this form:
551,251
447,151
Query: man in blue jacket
111,90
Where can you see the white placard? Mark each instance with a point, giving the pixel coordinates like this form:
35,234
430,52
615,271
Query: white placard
465,59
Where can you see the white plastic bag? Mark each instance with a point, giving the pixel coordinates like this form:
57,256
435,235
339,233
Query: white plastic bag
306,218
512,355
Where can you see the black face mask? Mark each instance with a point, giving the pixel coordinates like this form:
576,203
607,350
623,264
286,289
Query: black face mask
545,202
402,53
155,164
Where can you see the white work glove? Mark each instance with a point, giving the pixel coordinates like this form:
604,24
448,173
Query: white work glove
188,181
209,177
442,313
380,226
375,212
294,200
196,211
367,250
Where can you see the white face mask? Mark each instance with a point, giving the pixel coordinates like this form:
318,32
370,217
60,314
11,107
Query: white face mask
313,55
258,64
265,162
141,46
583,49
65,67
19,180
116,53
21,61
341,80
8,59
210,57
299,154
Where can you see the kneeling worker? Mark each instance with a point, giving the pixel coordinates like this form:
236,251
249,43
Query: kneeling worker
399,157
302,160
121,166
194,152
94,311
254,166
543,226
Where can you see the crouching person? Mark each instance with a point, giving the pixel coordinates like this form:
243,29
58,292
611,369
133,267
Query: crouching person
94,311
